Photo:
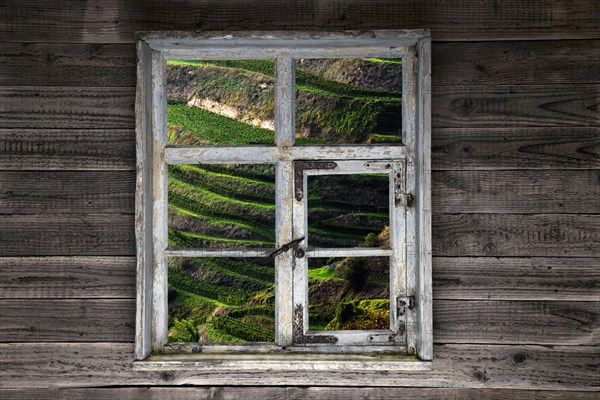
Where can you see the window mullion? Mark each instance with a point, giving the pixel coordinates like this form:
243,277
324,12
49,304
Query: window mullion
285,99
160,202
284,139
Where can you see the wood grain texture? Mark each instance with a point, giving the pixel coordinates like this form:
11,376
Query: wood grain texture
456,235
516,63
289,393
67,149
82,320
461,63
506,192
67,277
533,278
46,64
455,321
516,235
68,234
459,366
452,107
66,107
453,149
519,322
515,148
41,192
116,21
479,278
525,105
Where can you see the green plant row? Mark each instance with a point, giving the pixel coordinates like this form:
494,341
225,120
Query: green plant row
239,266
233,211
194,240
222,276
264,173
225,294
267,311
227,186
212,128
242,330
304,80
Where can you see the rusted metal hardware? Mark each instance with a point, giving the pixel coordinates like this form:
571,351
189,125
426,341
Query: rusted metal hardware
300,167
286,247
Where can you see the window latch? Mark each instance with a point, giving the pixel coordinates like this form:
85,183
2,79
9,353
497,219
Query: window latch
299,253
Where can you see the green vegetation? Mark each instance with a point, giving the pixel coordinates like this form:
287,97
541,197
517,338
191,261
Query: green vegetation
225,300
209,128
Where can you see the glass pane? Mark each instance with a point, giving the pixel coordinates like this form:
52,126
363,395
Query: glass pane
349,293
348,210
349,100
221,300
222,206
220,102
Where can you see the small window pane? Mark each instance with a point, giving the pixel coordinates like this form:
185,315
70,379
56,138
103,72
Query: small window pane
220,102
221,300
349,293
348,211
349,100
222,206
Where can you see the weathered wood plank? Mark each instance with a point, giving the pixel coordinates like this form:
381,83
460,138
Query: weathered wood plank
48,64
516,63
519,322
453,149
537,278
453,192
69,234
515,148
525,105
459,366
455,321
452,106
67,277
82,320
461,63
117,21
39,192
65,149
516,235
479,278
66,107
456,235
289,393
506,192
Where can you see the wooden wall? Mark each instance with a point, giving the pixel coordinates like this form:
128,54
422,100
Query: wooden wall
516,195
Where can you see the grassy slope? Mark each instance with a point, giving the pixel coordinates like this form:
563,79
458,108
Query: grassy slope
226,196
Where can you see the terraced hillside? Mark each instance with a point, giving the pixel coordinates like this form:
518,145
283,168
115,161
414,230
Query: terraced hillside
222,300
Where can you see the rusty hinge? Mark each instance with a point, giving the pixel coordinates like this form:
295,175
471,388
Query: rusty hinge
300,167
404,303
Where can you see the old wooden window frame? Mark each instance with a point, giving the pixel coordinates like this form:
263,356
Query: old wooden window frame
408,166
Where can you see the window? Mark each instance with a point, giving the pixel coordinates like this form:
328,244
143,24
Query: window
326,234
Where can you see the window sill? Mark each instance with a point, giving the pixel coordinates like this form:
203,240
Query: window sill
288,362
